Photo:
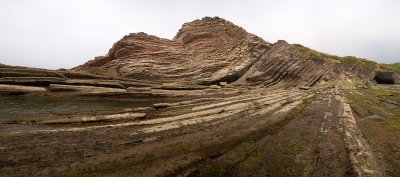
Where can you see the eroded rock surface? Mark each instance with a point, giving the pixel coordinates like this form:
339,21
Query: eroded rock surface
285,66
209,51
214,50
214,101
203,51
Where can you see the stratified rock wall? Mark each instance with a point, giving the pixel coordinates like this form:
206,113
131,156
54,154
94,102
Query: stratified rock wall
213,50
221,50
284,66
142,56
205,51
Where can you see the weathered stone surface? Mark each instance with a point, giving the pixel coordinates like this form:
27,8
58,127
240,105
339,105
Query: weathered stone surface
284,66
140,56
39,81
12,71
221,48
136,84
139,89
96,83
204,51
210,51
180,87
233,108
71,74
17,89
100,118
84,89
161,105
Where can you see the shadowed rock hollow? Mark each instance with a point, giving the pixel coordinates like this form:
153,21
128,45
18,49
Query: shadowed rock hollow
387,77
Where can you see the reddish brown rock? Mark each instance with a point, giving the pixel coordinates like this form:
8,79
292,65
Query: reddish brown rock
213,50
209,51
205,51
285,66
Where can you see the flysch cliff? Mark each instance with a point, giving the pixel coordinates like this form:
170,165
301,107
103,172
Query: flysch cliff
213,50
203,51
210,51
213,101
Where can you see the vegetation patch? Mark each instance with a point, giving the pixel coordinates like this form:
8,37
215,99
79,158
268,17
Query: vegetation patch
393,157
393,122
383,134
346,60
392,67
294,149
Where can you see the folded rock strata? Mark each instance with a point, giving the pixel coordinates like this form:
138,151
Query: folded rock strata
213,50
204,56
206,51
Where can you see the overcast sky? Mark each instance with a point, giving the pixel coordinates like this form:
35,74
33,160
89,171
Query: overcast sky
66,33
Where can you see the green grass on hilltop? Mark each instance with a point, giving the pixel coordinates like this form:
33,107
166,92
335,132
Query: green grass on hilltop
347,59
393,67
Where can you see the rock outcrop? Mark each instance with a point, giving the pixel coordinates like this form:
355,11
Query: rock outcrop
204,55
222,51
214,96
213,50
205,51
286,66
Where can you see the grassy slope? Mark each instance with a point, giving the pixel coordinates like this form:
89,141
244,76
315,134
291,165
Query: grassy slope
347,59
392,67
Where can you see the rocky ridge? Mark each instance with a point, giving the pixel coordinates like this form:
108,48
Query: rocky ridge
204,51
210,51
213,50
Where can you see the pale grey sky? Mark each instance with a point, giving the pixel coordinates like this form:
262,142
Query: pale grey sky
66,33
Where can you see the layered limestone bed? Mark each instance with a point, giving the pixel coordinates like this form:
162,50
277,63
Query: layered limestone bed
213,50
213,101
256,133
204,51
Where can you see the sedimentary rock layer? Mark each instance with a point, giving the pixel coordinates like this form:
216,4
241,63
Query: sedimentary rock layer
205,51
210,51
213,50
